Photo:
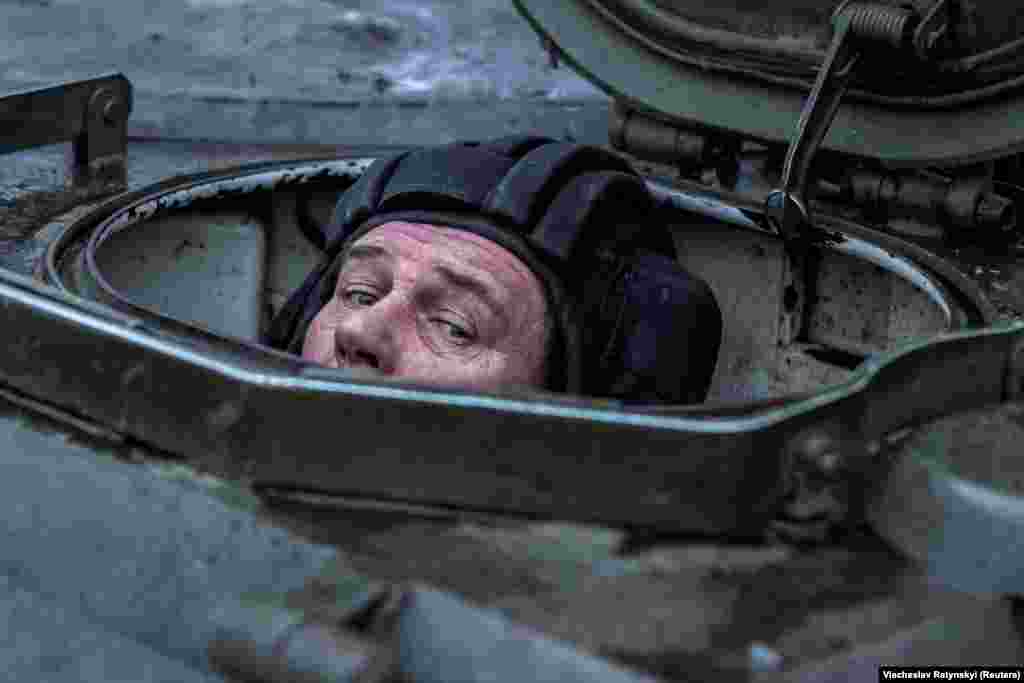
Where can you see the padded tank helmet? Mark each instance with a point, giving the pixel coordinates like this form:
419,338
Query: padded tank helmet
629,323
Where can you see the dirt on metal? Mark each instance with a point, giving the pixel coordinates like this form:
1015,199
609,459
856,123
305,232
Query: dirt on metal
983,446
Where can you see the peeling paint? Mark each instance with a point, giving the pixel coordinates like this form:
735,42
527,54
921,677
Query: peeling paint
349,169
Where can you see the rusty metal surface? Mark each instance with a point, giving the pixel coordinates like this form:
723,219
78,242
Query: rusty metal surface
862,309
36,205
708,259
227,420
126,214
239,397
92,114
682,610
708,248
864,299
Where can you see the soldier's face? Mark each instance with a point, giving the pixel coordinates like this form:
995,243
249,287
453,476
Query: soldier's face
436,305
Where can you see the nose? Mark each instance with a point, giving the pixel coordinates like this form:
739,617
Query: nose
365,337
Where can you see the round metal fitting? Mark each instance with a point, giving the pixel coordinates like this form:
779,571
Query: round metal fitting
108,105
817,449
114,111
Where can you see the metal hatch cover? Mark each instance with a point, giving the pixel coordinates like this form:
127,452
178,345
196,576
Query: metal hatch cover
699,70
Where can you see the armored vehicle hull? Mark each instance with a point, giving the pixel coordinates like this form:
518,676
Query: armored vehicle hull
850,495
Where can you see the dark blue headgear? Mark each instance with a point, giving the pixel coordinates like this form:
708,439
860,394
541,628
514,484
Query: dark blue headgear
630,323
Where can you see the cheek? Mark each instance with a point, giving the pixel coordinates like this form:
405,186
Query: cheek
318,346
535,353
525,351
498,370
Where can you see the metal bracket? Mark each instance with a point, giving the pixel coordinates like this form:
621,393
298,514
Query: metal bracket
854,25
934,31
92,114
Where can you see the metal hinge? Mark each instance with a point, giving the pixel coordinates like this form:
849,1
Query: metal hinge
967,205
857,27
689,151
92,114
962,205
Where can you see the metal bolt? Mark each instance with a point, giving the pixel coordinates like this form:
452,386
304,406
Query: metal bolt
995,211
818,449
114,111
828,462
107,105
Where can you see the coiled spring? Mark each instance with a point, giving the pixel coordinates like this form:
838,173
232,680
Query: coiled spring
879,23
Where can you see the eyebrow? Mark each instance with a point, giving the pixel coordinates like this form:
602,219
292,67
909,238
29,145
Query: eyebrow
471,284
367,252
456,278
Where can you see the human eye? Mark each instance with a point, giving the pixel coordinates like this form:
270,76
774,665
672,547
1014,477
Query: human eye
358,296
455,331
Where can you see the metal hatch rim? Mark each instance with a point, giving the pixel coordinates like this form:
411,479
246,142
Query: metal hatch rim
740,210
47,321
50,267
856,246
263,178
232,185
294,376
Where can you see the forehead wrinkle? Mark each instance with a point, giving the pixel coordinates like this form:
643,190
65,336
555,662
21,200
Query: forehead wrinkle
464,280
468,254
465,244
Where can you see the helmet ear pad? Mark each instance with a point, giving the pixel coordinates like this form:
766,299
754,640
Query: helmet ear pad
580,217
651,331
593,209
